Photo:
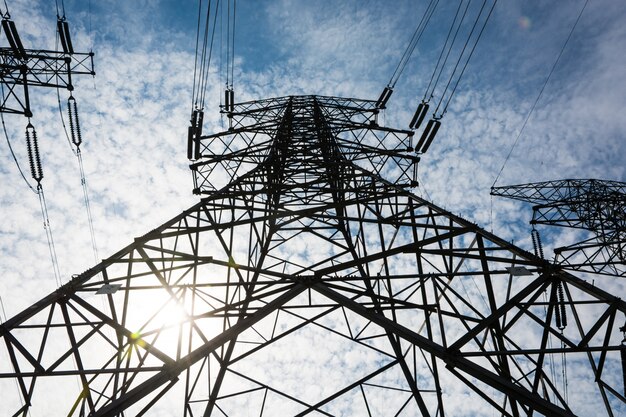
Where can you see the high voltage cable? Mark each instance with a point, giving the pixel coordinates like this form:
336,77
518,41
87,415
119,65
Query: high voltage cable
204,52
203,56
75,142
195,65
519,134
469,37
17,164
48,228
232,65
205,80
419,30
434,124
428,96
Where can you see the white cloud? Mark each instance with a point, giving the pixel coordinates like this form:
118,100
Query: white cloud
135,118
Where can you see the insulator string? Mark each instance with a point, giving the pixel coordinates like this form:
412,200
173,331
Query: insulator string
538,247
561,298
33,153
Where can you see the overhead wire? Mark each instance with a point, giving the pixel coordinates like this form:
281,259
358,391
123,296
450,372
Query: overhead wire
228,47
74,144
17,164
203,59
49,237
460,59
543,87
56,2
434,124
208,64
427,95
408,52
232,64
195,65
417,34
6,14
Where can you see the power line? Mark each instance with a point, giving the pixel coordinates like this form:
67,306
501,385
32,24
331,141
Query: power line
419,31
543,87
428,96
482,29
452,75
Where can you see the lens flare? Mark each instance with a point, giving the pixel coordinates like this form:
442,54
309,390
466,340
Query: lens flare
524,22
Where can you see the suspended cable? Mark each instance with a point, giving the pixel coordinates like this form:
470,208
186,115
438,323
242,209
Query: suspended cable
232,65
433,125
427,95
91,37
208,64
469,37
6,14
77,140
543,87
17,164
430,9
74,143
422,108
201,77
3,317
482,29
48,228
203,57
221,59
228,47
388,90
37,174
195,65
83,181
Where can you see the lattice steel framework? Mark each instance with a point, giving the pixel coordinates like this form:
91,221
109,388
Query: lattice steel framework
595,205
21,68
310,285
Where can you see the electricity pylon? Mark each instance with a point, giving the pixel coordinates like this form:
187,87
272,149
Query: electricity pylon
21,68
598,206
303,283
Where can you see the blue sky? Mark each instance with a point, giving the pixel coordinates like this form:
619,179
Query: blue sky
135,112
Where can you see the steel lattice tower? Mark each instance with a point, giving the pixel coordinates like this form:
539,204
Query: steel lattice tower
598,206
305,283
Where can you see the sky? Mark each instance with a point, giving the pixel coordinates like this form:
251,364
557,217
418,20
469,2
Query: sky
134,113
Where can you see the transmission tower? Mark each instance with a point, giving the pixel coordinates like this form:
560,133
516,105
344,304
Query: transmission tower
304,283
598,206
21,68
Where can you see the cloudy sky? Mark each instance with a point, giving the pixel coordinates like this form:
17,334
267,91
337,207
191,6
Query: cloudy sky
134,113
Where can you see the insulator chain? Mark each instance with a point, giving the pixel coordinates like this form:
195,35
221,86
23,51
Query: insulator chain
538,247
33,153
560,314
72,111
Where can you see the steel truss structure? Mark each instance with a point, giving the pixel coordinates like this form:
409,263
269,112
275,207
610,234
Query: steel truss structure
310,285
595,205
22,68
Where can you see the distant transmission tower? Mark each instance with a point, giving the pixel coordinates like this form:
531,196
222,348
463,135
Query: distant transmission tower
303,283
598,206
